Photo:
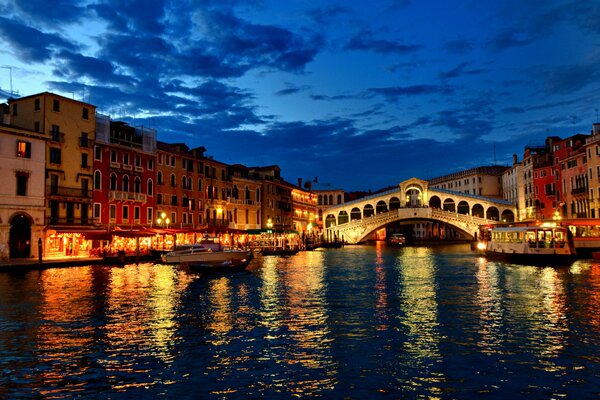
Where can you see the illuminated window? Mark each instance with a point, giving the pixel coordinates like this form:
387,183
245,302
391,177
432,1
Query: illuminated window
23,149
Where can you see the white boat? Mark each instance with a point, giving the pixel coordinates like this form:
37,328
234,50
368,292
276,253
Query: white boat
397,239
208,256
529,244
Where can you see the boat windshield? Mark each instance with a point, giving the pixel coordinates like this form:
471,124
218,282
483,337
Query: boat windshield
546,238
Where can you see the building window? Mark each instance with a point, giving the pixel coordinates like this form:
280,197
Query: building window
126,183
159,198
22,179
136,214
113,181
36,105
173,200
85,113
14,112
97,211
84,160
98,180
23,149
151,164
138,161
113,212
159,178
172,161
150,215
137,185
150,187
113,156
97,153
125,213
36,126
55,105
173,181
83,140
55,156
126,158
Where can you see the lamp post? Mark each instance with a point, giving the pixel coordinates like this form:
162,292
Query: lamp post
270,230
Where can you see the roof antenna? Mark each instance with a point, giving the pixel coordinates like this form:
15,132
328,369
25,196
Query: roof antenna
10,68
494,153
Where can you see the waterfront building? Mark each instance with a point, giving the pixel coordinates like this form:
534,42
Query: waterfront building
304,206
512,186
593,165
327,195
179,186
218,190
22,193
70,126
531,157
276,198
245,199
482,181
570,154
546,179
124,175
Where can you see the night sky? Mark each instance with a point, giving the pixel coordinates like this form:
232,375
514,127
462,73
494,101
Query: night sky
362,94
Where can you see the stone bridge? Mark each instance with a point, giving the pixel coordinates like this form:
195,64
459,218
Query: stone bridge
413,200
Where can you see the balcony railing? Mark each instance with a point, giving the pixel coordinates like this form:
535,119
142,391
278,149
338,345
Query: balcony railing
68,192
581,190
217,223
56,136
127,167
69,221
117,195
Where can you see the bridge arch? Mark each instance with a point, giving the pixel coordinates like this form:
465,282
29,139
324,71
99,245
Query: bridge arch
508,216
463,207
394,203
449,205
492,213
342,218
478,211
355,214
329,220
368,211
435,202
381,207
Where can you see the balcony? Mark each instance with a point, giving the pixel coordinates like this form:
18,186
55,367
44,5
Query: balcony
57,137
117,195
138,169
217,223
68,192
115,164
580,190
69,221
128,167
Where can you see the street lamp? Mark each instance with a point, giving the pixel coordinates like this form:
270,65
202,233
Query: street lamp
270,229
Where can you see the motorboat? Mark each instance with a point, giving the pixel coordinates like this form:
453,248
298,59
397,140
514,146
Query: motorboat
397,239
208,256
529,244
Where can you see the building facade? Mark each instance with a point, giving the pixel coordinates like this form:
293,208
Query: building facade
22,193
482,181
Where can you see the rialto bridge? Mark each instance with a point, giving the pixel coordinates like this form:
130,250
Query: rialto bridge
414,201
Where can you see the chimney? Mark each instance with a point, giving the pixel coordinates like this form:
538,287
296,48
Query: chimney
515,159
300,182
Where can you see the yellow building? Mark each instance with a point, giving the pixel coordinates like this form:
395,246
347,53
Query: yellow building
244,199
304,206
70,125
593,164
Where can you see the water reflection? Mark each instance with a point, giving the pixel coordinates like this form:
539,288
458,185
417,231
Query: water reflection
420,318
359,322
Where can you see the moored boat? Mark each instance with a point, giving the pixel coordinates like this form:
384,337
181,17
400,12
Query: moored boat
397,239
208,256
529,245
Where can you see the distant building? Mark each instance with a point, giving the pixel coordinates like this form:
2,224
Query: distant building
244,199
593,165
327,196
512,186
482,181
276,198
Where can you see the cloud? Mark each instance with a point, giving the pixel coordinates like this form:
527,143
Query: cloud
458,47
291,89
364,41
570,78
31,44
395,92
460,70
48,14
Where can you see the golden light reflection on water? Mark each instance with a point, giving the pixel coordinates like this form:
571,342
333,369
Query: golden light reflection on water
490,307
381,289
420,317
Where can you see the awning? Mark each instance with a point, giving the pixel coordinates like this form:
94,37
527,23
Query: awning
89,234
132,233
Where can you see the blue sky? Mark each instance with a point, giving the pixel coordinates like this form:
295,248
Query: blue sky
361,94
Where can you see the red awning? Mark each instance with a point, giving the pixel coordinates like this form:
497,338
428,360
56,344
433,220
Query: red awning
89,234
132,233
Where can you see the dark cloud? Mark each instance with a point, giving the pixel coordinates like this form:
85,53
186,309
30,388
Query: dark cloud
513,110
395,92
324,15
364,41
74,66
291,89
31,44
570,78
48,14
509,38
460,70
458,47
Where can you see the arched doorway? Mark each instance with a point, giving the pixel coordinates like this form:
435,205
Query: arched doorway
449,205
20,236
413,196
477,211
508,216
463,207
329,221
355,214
394,203
492,213
368,211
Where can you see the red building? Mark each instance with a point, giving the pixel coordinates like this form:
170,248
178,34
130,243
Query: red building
124,175
570,158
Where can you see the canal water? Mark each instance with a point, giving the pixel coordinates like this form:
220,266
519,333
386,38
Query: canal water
362,322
